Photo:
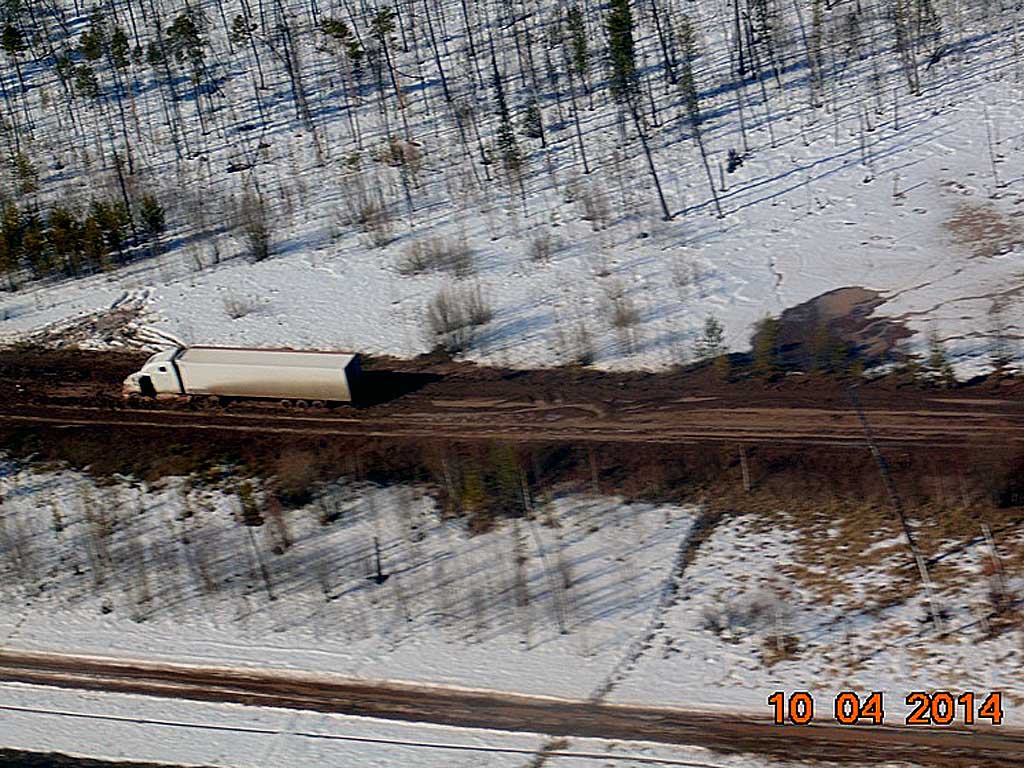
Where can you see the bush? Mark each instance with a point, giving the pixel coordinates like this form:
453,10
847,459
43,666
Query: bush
399,153
939,366
239,306
543,246
746,616
593,205
624,313
453,316
711,343
255,225
296,472
582,351
437,254
370,214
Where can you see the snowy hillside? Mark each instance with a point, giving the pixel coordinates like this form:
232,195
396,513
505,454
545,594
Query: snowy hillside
492,154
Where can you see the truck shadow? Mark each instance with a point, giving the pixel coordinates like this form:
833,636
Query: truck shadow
379,387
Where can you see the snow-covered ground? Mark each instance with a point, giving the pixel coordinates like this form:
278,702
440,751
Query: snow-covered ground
169,573
127,573
923,204
753,590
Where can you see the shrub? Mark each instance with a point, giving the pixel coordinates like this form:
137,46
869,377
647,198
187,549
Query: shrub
477,308
377,222
399,153
368,212
938,364
543,246
437,254
593,205
453,316
249,512
239,306
686,273
624,313
255,224
711,343
582,349
296,473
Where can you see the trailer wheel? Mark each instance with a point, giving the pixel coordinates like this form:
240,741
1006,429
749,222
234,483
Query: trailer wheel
317,404
301,405
287,404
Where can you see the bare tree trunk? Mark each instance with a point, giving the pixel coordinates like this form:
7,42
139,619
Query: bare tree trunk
650,160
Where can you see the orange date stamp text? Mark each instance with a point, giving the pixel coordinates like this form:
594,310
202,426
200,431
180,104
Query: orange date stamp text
926,708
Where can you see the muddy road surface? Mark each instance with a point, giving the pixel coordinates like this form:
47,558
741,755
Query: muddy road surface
496,710
433,398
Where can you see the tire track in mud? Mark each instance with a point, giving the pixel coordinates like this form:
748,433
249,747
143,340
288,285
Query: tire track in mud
832,427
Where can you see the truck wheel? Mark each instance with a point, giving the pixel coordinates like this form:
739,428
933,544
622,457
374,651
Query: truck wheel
317,405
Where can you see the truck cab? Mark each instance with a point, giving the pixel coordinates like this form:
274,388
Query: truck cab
157,377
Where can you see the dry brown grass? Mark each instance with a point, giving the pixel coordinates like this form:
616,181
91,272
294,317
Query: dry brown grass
984,231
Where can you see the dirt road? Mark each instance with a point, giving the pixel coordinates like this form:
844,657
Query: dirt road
497,710
463,402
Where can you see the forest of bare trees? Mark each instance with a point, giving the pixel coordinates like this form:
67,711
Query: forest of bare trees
129,124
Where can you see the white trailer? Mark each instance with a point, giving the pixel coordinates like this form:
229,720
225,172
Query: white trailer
289,375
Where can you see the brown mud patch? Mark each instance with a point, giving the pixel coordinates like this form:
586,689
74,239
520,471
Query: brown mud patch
836,327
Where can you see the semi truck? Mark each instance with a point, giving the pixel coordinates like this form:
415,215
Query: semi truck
294,377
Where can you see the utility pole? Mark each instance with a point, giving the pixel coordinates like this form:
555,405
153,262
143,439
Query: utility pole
894,500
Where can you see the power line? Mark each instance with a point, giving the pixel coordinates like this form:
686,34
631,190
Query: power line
454,747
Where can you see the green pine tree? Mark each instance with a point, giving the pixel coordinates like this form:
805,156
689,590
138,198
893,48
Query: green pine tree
621,51
151,216
766,348
12,40
36,248
578,41
533,122
120,49
185,41
86,84
65,235
94,247
511,157
711,343
94,40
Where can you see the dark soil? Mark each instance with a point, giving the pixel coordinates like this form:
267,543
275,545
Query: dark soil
10,758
